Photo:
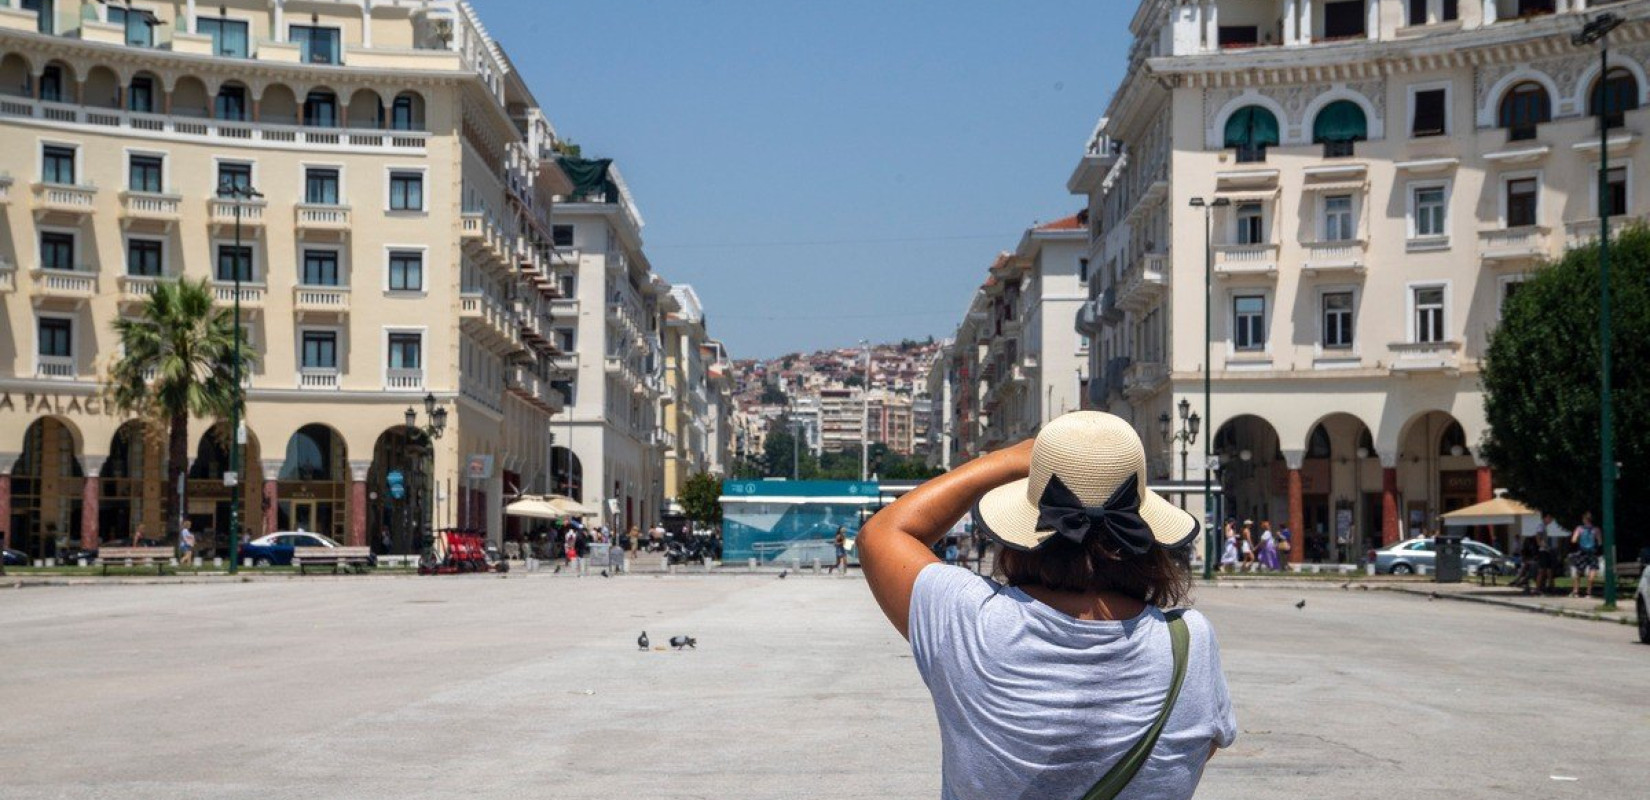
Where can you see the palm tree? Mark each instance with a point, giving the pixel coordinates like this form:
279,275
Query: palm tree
176,361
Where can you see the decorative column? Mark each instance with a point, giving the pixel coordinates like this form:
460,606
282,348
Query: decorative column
358,502
89,501
1390,532
7,461
1211,26
272,495
1489,12
1486,493
1297,507
1291,27
1306,23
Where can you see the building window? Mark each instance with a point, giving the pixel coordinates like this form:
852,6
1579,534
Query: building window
57,250
1082,270
1250,224
1417,12
1250,130
1343,19
233,261
1249,322
1431,113
230,104
57,164
403,116
1337,219
1337,320
565,340
406,351
321,186
234,176
406,191
1615,191
321,110
1337,126
143,258
406,271
140,96
45,14
1429,314
1523,108
51,84
320,267
1530,8
1616,95
561,235
1522,194
567,284
144,174
320,350
316,45
228,35
56,337
1238,36
1451,10
139,25
1508,289
1430,216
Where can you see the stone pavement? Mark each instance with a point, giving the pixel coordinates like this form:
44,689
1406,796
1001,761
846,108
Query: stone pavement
519,685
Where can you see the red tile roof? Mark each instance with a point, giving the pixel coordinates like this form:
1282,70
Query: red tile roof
1071,223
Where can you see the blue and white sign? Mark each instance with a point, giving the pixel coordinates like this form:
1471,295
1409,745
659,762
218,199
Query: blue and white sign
397,484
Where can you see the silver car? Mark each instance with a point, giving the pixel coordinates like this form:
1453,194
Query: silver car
1407,558
1643,602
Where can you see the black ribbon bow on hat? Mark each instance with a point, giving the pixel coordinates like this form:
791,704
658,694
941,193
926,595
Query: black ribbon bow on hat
1061,511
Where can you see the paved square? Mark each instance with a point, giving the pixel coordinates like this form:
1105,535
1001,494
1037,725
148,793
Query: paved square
533,686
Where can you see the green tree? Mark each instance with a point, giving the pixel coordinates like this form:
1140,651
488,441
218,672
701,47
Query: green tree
176,361
700,498
772,395
1541,387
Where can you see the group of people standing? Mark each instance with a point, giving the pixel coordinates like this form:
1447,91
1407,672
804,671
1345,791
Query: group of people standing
1244,550
1542,554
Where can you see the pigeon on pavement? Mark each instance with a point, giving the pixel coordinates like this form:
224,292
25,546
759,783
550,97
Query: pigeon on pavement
783,573
641,641
680,642
1301,604
605,575
558,570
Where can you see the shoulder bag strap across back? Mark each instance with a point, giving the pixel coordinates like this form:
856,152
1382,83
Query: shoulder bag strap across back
1124,770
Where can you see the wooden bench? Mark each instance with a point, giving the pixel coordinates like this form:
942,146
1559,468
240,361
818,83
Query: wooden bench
1629,570
353,557
158,557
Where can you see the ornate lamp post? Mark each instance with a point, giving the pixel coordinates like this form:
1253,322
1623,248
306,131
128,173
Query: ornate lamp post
431,430
1598,30
1208,346
242,194
1190,422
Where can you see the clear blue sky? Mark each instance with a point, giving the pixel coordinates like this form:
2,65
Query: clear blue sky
826,171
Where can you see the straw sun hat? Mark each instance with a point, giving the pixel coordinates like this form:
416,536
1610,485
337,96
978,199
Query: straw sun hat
1088,478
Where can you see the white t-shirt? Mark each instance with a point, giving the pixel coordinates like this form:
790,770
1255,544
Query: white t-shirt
1034,703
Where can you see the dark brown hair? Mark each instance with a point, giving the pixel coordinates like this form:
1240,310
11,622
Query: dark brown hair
1160,577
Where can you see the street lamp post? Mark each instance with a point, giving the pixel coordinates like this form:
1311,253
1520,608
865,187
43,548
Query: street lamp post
865,418
432,431
242,194
1208,349
1598,30
1186,436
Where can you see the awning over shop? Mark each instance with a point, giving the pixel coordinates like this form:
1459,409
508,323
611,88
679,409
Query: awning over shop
1500,511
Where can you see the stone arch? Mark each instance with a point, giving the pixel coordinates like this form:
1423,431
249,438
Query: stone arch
133,484
1489,112
102,89
396,524
408,112
278,105
1377,126
1340,490
567,470
16,75
1589,76
156,86
1436,470
1215,135
366,109
225,106
64,87
190,98
1251,463
314,482
316,451
48,479
316,114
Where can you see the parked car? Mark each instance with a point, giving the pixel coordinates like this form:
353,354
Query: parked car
18,558
1407,558
1642,600
276,549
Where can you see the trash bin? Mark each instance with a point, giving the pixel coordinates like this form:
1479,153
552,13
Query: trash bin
1447,553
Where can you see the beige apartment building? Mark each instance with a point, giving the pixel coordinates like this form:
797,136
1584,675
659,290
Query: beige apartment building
697,399
399,254
1379,175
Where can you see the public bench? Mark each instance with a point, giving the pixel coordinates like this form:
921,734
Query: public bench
356,558
1629,571
158,557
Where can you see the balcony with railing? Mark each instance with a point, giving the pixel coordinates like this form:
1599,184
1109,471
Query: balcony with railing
320,299
60,368
322,217
1143,282
403,380
1583,232
150,207
1345,256
70,285
1416,357
251,295
1522,243
64,199
1246,260
8,275
136,289
1144,378
472,225
221,211
322,379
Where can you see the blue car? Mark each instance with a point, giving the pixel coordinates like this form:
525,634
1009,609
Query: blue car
276,549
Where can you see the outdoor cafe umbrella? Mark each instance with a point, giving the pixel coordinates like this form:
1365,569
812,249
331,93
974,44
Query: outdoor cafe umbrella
1499,511
533,507
568,507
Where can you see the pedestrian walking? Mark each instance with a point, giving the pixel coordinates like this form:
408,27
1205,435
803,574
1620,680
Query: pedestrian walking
1586,543
1088,570
841,543
1286,544
570,548
186,545
1246,546
1529,557
635,539
1268,547
1229,550
615,555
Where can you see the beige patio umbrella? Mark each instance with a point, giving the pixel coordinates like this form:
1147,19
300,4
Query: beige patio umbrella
534,508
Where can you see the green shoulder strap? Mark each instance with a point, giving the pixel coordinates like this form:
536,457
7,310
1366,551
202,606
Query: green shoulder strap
1123,771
